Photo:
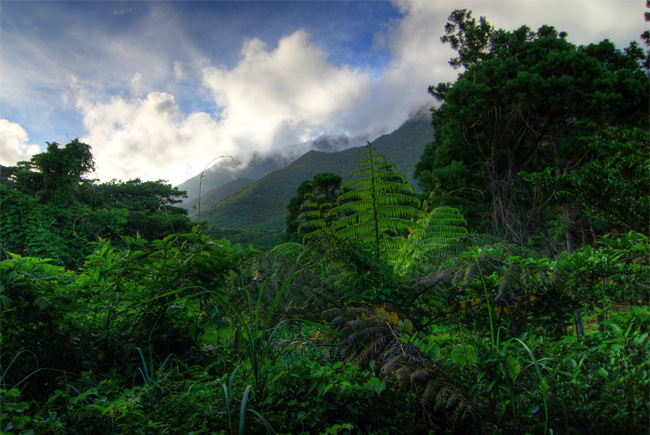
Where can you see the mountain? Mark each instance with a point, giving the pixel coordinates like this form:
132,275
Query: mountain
257,213
226,170
216,195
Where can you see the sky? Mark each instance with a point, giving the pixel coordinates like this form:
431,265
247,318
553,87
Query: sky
160,89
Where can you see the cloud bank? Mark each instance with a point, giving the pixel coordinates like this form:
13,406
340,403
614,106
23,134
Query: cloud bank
156,105
273,97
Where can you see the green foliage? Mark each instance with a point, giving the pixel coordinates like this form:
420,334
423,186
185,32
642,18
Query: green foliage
435,238
521,103
309,292
376,208
615,270
308,391
37,314
360,240
254,334
613,187
381,338
119,301
31,228
148,207
311,204
52,175
591,372
262,236
39,201
51,211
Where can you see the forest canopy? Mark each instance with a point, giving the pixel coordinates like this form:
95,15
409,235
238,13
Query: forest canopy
51,209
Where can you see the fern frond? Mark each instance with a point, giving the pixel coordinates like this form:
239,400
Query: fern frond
290,250
309,291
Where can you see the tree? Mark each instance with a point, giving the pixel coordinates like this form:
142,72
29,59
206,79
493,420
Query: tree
521,102
321,192
614,186
40,202
645,36
50,210
149,206
55,174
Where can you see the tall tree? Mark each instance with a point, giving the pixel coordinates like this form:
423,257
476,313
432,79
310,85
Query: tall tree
520,103
56,172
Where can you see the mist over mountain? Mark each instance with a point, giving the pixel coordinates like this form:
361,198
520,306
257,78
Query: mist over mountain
225,170
215,196
332,144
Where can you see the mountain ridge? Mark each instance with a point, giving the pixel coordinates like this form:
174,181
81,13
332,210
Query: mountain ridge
256,214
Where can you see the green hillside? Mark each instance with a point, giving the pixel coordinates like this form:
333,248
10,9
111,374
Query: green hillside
217,195
257,213
222,171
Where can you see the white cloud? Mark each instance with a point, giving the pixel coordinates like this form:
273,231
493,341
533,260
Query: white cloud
13,144
273,98
147,137
270,99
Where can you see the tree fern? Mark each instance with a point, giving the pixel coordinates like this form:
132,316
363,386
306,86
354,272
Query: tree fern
434,238
314,213
311,203
384,335
377,207
289,249
347,264
439,229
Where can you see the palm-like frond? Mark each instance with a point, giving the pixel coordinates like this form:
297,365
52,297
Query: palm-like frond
376,206
290,249
382,336
309,291
343,259
441,291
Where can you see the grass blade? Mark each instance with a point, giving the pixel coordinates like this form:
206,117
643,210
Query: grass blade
145,375
242,413
266,424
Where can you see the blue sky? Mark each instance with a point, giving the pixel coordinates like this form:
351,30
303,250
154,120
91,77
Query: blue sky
160,88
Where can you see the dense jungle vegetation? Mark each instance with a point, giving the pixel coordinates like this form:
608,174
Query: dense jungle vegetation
511,297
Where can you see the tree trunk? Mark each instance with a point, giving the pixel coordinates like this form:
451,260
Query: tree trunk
566,215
